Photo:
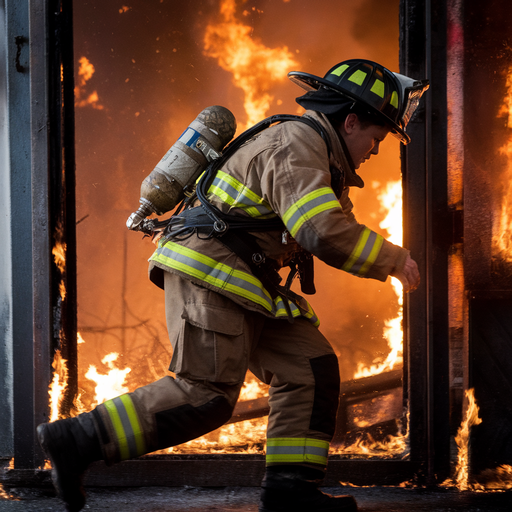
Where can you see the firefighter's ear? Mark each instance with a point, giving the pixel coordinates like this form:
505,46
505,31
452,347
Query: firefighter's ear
351,121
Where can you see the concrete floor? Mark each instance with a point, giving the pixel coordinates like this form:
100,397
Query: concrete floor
238,499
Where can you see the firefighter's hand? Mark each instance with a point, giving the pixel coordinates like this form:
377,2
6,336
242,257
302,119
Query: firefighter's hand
409,276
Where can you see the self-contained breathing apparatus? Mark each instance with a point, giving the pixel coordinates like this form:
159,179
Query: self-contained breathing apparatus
206,220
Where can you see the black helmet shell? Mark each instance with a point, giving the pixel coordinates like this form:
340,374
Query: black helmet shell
383,92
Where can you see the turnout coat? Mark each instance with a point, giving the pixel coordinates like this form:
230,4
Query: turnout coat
284,171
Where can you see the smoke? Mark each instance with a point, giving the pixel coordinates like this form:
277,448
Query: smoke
376,28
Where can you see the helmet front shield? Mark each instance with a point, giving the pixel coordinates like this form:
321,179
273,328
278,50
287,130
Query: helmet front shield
412,91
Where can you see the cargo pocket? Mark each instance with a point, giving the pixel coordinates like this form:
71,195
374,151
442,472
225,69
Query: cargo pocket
211,345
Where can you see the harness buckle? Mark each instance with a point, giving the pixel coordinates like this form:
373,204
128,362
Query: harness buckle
220,226
258,258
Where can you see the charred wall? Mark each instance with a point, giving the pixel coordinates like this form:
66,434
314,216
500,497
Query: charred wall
488,266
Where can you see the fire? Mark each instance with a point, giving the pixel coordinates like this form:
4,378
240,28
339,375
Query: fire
59,256
391,201
254,66
502,239
461,477
5,495
85,73
111,384
393,446
58,385
495,479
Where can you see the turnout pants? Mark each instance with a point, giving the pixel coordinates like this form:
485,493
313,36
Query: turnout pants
215,341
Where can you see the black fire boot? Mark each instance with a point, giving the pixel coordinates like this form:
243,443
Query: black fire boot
71,445
295,489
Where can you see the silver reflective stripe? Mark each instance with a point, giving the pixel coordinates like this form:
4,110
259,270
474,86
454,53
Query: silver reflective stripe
296,450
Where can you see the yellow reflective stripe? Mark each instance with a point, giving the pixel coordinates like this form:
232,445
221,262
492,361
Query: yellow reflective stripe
308,206
281,311
358,77
210,267
378,88
241,188
122,441
253,205
134,422
315,211
373,256
339,71
365,253
394,99
224,277
296,450
357,250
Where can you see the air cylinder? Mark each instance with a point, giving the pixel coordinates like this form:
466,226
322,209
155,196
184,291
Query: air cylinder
201,142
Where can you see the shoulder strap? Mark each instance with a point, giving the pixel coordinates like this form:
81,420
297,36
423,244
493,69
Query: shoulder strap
221,221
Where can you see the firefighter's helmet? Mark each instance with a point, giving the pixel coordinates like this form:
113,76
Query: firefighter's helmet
391,96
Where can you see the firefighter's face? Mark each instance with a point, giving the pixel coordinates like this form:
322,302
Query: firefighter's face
362,141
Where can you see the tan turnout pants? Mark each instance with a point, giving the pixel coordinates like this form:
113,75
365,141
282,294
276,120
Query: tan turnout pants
215,341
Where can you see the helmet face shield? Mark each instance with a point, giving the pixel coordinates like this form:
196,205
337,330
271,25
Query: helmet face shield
391,96
412,91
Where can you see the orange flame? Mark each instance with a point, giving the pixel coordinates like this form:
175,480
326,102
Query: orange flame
85,73
461,477
5,495
59,256
495,479
392,446
254,66
58,385
462,440
111,384
391,201
502,239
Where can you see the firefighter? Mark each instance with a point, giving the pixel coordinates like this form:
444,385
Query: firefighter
280,198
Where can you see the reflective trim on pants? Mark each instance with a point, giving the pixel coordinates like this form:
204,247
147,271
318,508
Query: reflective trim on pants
126,426
292,450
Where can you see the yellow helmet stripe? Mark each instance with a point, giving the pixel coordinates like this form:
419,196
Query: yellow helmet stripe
394,99
358,77
340,70
378,88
